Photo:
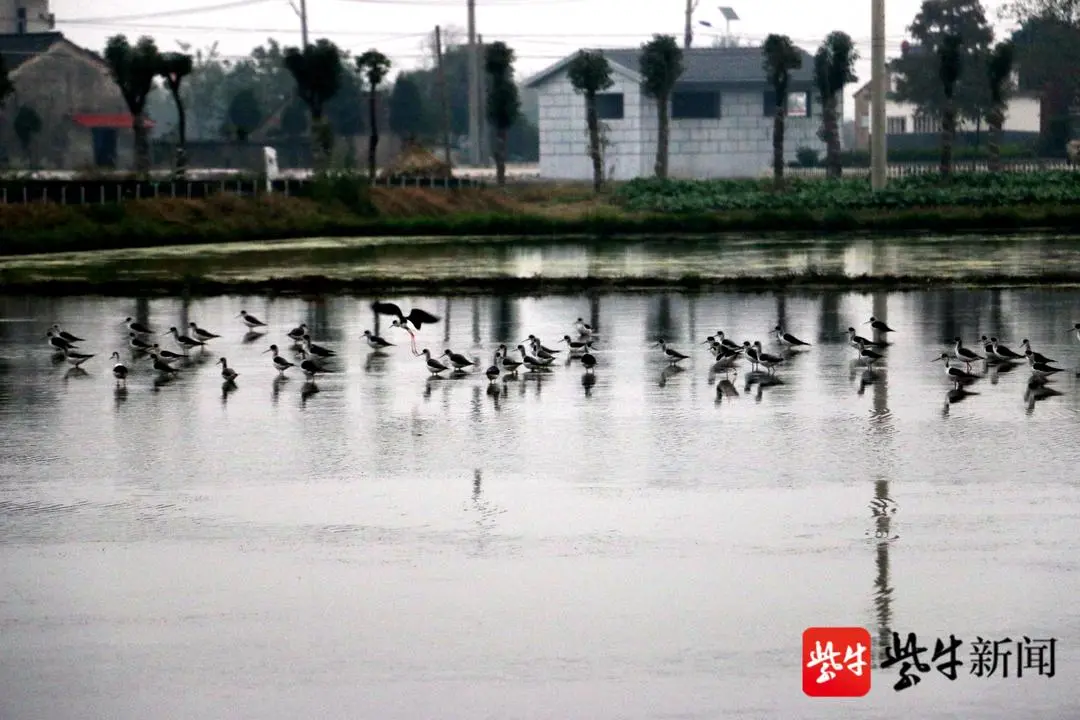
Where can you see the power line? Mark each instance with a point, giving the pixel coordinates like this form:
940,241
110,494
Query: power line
164,13
527,37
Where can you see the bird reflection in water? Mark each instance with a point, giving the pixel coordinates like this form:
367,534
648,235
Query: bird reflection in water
120,393
279,382
496,391
1038,388
867,378
251,336
375,361
993,370
75,372
227,388
588,380
762,380
669,372
309,389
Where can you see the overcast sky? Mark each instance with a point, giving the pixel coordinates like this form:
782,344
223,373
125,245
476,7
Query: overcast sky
541,31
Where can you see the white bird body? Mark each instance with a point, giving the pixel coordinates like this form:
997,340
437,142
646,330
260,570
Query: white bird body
280,363
583,328
119,370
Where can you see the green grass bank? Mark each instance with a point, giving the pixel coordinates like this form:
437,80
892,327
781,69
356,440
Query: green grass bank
966,203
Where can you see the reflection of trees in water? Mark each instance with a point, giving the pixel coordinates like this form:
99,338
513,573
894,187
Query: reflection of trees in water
659,322
594,311
830,325
781,310
476,321
504,322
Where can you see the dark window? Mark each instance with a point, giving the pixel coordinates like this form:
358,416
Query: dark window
695,105
609,106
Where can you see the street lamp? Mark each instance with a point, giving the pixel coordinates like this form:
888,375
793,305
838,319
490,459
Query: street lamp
729,15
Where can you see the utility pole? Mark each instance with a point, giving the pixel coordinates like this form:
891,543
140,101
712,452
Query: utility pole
303,23
688,31
878,82
443,97
481,73
474,90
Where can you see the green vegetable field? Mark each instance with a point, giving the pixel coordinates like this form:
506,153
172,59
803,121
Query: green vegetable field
987,190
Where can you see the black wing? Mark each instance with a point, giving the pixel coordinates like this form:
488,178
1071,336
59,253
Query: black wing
419,317
384,308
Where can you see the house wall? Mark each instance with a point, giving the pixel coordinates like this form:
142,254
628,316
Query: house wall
738,144
1022,114
58,84
37,16
564,140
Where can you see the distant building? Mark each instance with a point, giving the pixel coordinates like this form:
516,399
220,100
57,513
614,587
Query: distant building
721,118
85,122
18,17
1022,115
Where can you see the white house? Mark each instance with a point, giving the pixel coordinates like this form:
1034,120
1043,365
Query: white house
721,118
1022,114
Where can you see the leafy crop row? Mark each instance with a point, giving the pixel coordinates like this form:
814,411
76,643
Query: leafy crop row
913,191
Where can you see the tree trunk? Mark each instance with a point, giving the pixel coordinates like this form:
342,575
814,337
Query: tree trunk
994,120
832,138
322,143
778,147
663,133
500,156
373,138
593,124
181,129
142,146
948,134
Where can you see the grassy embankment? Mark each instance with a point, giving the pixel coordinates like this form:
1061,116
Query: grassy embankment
967,203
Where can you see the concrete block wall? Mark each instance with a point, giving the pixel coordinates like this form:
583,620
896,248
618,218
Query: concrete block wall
564,140
737,144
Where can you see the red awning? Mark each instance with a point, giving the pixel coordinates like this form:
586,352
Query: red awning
117,120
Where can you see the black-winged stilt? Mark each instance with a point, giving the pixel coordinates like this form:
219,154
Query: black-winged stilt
1040,368
76,358
434,366
1039,357
416,316
137,327
279,362
858,340
119,370
227,372
187,343
954,373
66,335
375,342
878,325
673,356
787,338
250,320
460,362
769,361
200,334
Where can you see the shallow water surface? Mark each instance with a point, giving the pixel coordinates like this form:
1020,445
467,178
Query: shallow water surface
382,544
397,259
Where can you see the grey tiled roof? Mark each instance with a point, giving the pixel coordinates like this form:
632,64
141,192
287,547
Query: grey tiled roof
718,65
18,48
